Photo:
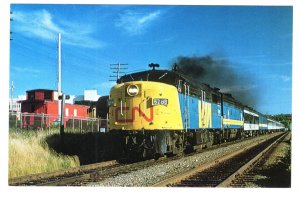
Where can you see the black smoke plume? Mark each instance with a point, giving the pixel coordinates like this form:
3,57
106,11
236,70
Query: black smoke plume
219,73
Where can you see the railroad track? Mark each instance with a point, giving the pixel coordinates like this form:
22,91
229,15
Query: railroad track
97,176
88,173
96,172
248,175
221,172
48,178
84,174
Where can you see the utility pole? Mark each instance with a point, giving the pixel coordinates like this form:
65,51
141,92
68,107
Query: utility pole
59,76
62,122
118,68
62,98
12,95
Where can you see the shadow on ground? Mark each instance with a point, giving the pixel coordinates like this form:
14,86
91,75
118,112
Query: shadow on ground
278,175
89,147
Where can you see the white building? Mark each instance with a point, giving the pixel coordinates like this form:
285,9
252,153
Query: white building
14,104
91,95
88,95
70,100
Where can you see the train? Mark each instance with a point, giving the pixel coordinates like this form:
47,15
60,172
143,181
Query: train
163,112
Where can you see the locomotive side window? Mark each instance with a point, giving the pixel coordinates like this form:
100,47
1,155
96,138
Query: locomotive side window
216,99
207,96
247,118
256,120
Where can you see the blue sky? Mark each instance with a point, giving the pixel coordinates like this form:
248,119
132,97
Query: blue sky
256,40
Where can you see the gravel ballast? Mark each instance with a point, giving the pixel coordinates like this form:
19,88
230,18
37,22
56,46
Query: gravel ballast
151,175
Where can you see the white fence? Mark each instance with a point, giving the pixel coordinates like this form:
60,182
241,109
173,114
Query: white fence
39,122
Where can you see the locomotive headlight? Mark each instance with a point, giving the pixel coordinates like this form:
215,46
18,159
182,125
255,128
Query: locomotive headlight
132,90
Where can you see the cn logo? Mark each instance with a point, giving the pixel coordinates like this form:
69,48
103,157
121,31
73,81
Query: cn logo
133,110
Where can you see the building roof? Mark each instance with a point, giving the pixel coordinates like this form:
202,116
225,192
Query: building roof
34,90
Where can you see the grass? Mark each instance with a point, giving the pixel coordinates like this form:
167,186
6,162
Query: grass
30,154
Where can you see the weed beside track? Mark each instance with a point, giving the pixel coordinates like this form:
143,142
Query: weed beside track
30,154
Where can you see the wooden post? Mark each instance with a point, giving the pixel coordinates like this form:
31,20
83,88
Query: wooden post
92,125
80,125
73,124
16,121
21,121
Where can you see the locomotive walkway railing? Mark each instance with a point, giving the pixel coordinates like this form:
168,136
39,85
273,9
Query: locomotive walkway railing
41,122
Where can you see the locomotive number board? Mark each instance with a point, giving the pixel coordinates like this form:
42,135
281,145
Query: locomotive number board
160,101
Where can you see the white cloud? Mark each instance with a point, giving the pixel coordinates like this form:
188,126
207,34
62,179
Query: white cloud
40,24
107,84
238,88
21,71
25,69
136,23
283,78
152,42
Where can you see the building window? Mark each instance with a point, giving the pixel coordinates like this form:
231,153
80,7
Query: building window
48,95
32,109
75,112
67,112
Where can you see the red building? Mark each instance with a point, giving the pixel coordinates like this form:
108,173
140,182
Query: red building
43,101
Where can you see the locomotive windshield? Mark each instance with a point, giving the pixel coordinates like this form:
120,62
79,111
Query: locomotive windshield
163,76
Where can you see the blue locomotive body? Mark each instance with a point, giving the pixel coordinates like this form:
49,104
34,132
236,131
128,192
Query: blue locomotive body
162,112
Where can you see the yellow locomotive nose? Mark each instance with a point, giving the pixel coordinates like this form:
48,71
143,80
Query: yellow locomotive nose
144,105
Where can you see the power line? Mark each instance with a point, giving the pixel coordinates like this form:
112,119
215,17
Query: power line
118,68
11,19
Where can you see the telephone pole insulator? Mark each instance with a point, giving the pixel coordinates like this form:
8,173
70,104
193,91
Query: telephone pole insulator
118,68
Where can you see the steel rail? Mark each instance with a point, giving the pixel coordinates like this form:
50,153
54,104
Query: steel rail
69,176
58,176
35,177
185,175
227,182
101,174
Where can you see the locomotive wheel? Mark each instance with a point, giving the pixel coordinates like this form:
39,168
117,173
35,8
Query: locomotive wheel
139,147
148,147
132,150
178,143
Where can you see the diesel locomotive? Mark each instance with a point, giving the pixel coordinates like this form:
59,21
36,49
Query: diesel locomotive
163,112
